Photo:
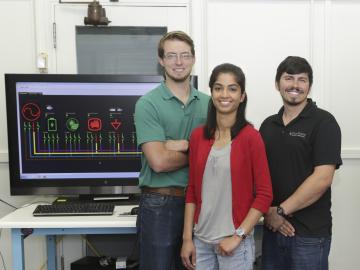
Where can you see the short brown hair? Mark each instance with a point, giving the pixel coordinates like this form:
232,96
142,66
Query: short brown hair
294,65
175,35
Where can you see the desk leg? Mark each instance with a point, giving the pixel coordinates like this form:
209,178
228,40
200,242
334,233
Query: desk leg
17,239
51,252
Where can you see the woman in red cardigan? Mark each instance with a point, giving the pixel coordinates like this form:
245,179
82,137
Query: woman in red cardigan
229,181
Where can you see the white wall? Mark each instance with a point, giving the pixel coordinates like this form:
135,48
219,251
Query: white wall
17,52
254,34
17,55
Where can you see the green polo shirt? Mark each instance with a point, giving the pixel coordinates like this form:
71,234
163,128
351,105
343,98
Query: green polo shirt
160,116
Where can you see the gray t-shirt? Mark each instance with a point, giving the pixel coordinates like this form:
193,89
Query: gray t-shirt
215,219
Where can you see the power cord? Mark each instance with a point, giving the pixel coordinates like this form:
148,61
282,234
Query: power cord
1,255
26,205
93,249
58,241
37,202
135,245
133,263
1,200
2,259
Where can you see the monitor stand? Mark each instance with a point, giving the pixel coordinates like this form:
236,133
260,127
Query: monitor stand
118,199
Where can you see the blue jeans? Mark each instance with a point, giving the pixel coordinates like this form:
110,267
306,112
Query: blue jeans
294,253
159,225
207,257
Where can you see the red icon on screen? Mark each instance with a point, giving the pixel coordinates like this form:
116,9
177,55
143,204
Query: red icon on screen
94,124
116,124
31,112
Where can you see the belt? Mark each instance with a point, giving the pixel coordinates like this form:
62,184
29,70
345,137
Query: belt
170,191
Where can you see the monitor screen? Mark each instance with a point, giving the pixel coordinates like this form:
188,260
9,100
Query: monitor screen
74,134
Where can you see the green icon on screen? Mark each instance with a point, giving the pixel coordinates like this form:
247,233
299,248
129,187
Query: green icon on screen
52,124
72,124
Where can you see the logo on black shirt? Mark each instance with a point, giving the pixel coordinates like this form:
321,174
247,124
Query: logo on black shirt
297,134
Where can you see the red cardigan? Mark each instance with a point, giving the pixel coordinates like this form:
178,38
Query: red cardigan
250,177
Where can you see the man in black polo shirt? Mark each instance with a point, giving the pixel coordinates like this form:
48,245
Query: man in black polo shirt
303,145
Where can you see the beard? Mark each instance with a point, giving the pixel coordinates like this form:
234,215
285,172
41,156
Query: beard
293,101
177,79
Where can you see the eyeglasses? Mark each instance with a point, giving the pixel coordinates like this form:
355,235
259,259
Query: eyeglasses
172,57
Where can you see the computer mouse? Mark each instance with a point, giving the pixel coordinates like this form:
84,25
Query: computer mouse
134,210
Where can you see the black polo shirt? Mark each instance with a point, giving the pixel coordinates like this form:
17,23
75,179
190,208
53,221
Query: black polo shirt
313,138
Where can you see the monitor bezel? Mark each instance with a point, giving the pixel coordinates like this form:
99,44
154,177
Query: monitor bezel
62,187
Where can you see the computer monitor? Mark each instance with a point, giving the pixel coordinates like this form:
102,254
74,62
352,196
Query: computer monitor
74,134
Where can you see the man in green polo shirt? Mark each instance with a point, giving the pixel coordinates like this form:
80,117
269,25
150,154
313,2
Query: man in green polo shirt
164,119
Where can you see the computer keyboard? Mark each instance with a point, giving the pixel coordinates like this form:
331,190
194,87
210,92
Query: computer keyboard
74,209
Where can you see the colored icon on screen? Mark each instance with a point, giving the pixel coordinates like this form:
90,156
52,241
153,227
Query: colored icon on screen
31,112
52,124
115,124
72,124
94,124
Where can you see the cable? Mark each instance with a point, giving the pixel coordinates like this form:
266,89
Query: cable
1,255
2,259
37,202
135,245
43,266
26,205
58,240
93,249
8,204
